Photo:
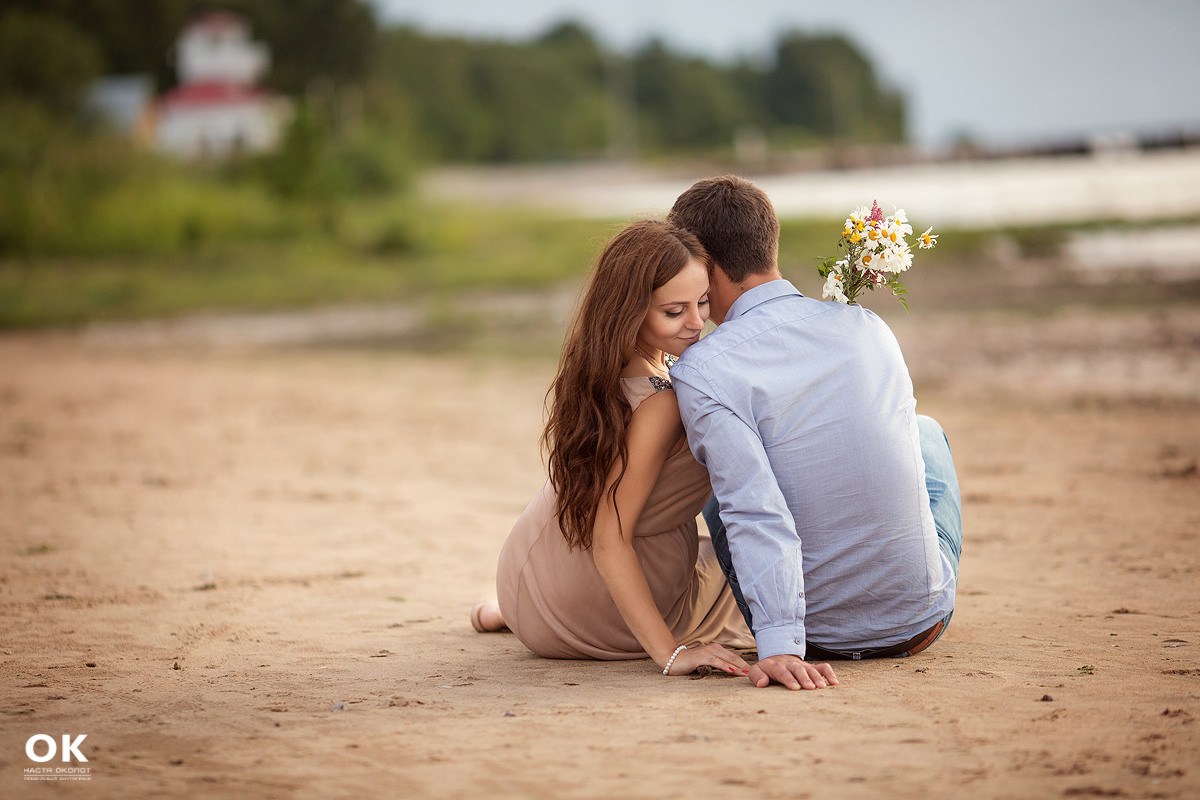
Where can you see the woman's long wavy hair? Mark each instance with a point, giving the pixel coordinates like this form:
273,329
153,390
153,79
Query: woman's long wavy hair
587,410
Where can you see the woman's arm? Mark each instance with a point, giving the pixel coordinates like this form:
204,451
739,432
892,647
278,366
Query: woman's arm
653,430
653,433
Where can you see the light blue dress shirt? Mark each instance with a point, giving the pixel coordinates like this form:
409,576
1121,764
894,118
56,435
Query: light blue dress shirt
803,413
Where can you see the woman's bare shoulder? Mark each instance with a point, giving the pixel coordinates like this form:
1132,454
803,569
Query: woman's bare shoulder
656,419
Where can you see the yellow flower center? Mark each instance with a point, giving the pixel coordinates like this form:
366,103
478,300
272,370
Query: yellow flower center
893,237
866,259
855,237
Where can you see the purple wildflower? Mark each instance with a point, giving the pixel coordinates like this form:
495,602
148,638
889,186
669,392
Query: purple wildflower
876,212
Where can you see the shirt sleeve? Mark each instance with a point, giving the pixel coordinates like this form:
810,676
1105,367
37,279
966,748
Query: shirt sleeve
759,527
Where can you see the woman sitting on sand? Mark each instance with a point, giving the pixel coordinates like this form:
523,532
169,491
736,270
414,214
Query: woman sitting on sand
606,561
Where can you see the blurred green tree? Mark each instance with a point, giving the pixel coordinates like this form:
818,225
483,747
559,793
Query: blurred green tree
131,35
45,61
686,102
559,95
825,86
497,101
309,39
312,39
295,168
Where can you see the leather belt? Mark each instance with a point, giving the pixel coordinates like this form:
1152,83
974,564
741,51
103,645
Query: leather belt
814,652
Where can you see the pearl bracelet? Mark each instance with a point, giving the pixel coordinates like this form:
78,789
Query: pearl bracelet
671,660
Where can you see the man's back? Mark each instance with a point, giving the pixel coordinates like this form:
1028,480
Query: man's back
803,412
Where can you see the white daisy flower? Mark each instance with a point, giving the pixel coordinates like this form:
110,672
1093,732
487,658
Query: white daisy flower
833,288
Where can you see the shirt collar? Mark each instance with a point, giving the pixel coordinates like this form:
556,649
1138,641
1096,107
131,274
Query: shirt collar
759,295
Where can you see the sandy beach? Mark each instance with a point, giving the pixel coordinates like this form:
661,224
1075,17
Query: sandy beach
244,571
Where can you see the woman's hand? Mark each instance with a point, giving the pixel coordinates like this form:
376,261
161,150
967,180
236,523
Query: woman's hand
713,655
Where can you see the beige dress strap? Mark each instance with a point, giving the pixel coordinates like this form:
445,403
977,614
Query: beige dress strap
639,388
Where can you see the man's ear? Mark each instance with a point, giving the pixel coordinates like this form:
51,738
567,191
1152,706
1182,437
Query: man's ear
720,278
720,294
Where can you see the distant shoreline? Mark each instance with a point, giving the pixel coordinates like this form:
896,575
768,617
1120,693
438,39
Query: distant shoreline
1040,190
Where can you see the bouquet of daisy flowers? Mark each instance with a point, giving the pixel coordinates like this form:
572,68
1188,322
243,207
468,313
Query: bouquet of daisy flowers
876,253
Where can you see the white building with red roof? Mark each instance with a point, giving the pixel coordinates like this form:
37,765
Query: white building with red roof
218,110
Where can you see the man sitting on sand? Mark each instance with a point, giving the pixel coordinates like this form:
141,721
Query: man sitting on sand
840,523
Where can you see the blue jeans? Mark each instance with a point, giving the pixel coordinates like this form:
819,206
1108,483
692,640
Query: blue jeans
945,501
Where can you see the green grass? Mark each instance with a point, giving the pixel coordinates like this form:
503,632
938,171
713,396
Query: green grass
232,247
378,251
803,244
365,252
93,228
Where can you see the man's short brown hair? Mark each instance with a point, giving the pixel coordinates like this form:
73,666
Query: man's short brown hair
735,221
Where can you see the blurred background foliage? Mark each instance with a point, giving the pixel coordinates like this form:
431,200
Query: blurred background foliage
94,225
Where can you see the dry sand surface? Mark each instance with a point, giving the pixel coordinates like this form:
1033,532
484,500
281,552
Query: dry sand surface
245,572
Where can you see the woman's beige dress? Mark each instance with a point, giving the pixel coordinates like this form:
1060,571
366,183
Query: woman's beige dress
556,603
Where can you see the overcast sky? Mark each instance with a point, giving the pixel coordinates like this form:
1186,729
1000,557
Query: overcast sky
1005,72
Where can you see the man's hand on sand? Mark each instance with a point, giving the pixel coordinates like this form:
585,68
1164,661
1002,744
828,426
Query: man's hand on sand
792,672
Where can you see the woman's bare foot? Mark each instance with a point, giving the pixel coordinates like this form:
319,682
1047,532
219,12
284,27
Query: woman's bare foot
486,617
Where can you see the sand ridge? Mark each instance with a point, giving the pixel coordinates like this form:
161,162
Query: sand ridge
245,572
